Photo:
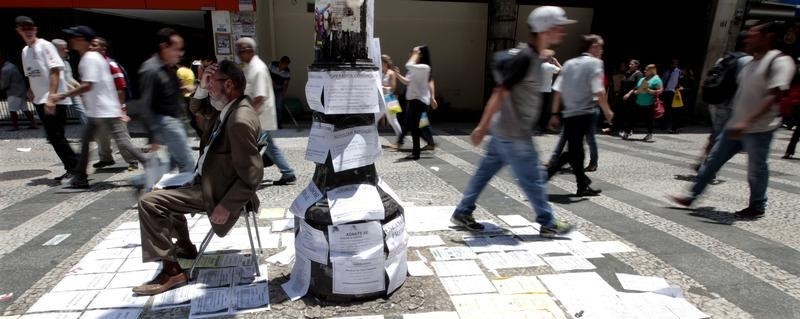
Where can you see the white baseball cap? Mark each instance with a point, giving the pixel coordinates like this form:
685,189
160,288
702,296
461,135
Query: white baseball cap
545,17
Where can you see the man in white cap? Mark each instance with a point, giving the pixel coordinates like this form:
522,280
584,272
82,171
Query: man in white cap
510,114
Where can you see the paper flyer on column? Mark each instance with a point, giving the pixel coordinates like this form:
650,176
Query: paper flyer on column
319,142
355,202
311,243
310,195
364,240
351,92
355,147
314,86
297,286
358,276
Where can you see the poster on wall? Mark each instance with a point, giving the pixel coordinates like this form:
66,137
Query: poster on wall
243,24
333,16
222,41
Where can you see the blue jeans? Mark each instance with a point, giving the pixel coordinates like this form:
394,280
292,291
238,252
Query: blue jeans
77,107
173,135
757,147
590,140
521,155
274,153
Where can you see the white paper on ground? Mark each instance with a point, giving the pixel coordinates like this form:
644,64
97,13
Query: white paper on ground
287,239
128,225
577,236
311,243
320,139
506,306
566,263
132,278
112,314
641,283
284,257
61,301
118,298
358,276
355,202
490,227
314,86
515,220
584,291
456,268
547,247
210,302
432,315
50,315
428,218
580,249
97,266
452,253
297,286
519,285
246,275
272,213
282,224
310,195
425,241
364,239
396,236
83,282
251,298
118,243
180,297
417,268
609,247
355,147
135,264
113,253
510,259
525,233
214,277
650,303
23,149
465,285
351,92
396,269
480,244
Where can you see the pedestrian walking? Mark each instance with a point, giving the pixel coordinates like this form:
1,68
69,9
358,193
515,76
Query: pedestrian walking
102,102
754,120
389,82
77,104
13,84
510,114
581,88
281,76
550,69
419,88
44,69
672,79
646,90
259,88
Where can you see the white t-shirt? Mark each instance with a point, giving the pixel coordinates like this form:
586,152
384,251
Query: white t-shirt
754,85
548,69
102,100
259,83
37,61
417,87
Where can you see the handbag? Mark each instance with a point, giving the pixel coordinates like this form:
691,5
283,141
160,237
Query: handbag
423,120
677,99
392,104
658,108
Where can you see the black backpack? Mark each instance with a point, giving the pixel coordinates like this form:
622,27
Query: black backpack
720,83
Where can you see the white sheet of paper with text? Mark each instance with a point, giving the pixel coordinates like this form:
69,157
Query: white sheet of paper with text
396,235
364,240
314,86
60,301
358,276
311,243
397,269
319,142
118,298
355,147
297,286
355,202
211,302
310,195
351,92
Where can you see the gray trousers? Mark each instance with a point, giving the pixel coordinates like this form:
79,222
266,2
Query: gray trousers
162,217
103,140
120,134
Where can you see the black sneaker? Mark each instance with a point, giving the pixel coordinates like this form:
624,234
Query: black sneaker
285,180
466,221
102,164
79,182
559,229
66,175
648,138
591,167
133,166
626,135
588,191
750,213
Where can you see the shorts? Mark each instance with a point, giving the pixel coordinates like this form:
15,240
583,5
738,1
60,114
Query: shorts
16,104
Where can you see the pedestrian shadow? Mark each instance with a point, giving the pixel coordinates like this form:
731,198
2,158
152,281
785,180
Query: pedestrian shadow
43,182
710,214
113,170
566,198
692,178
93,187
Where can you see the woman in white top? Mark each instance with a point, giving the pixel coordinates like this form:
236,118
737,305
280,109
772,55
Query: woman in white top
389,81
550,68
418,93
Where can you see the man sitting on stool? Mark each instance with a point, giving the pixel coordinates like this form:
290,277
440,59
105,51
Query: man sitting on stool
226,178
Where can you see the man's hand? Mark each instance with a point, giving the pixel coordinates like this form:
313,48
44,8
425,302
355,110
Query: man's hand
554,123
220,215
626,97
50,105
737,130
609,116
477,135
434,104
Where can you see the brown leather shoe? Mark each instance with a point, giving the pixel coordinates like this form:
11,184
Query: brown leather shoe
161,283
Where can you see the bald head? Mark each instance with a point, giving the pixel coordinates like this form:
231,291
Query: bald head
246,49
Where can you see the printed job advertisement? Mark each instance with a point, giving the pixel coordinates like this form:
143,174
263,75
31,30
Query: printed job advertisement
118,298
396,235
355,147
319,142
311,243
310,195
251,298
314,86
355,202
397,269
180,297
364,239
351,92
215,277
297,286
358,276
211,302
